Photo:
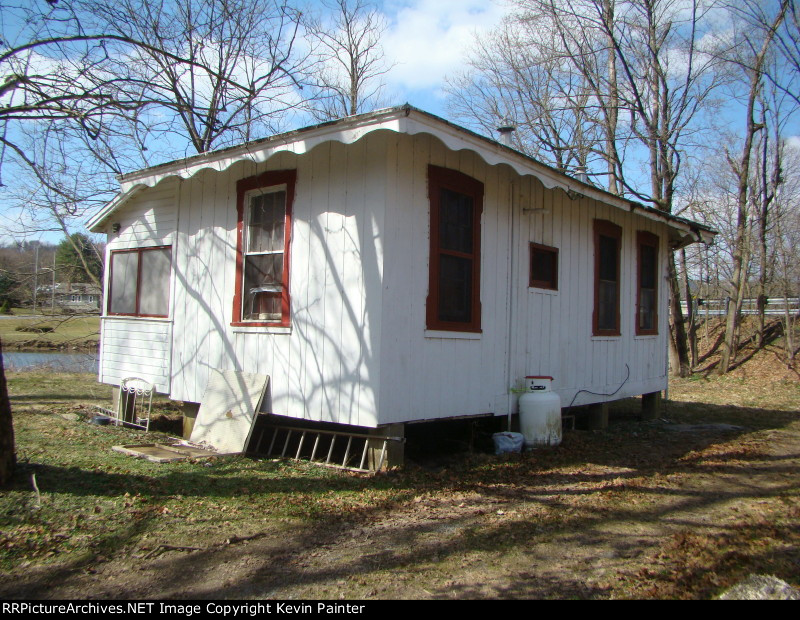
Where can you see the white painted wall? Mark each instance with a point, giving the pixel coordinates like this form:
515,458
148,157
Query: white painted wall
428,375
357,351
325,367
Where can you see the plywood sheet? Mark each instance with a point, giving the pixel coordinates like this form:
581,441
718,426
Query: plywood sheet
228,410
163,453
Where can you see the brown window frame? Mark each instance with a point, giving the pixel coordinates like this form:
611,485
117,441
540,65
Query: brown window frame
458,182
552,283
646,239
139,252
604,228
266,180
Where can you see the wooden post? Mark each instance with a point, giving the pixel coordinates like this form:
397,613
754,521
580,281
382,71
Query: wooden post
395,450
189,416
651,406
597,417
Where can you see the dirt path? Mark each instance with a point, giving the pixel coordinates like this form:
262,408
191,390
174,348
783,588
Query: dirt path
684,520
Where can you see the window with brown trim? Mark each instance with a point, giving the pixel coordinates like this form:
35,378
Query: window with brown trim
647,284
607,252
543,267
264,226
456,203
139,282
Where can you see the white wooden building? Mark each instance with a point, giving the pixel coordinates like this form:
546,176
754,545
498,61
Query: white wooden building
385,268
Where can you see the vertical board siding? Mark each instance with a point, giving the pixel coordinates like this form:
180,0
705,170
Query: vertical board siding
551,331
322,368
426,377
557,326
357,351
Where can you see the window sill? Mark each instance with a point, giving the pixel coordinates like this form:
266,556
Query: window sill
645,337
261,329
133,317
446,335
607,338
546,291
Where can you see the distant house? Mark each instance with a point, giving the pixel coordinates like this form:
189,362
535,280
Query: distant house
79,296
384,268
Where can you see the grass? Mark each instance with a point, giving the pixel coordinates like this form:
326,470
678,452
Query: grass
436,523
92,501
59,331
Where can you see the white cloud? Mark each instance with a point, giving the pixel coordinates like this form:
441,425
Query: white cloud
428,39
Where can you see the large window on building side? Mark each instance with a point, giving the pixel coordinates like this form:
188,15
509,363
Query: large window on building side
607,249
264,207
139,282
456,204
647,285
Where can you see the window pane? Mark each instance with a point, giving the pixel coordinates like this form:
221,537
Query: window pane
455,289
154,293
647,307
607,306
266,223
263,276
544,268
647,256
455,221
608,258
124,271
263,306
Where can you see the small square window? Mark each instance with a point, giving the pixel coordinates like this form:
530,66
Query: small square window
544,267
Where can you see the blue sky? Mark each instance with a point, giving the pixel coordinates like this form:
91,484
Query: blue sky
427,40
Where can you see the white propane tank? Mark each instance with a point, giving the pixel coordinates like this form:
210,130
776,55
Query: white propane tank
540,413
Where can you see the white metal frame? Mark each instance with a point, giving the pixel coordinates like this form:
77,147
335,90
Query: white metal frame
135,402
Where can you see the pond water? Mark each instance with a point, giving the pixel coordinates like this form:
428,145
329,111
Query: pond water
61,362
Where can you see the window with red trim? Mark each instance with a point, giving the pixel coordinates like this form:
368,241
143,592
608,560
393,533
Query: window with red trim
264,212
456,205
544,267
607,252
139,282
647,284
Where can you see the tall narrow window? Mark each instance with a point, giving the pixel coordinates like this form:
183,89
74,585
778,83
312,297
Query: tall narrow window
647,288
607,244
264,205
456,203
139,282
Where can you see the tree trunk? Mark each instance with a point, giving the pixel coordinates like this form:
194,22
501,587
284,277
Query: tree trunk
8,457
679,354
692,319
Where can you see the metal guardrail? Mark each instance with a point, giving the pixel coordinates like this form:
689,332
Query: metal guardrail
719,307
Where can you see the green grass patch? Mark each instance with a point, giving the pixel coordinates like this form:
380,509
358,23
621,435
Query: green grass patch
50,331
92,501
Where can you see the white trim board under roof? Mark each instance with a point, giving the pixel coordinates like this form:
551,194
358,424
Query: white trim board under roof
403,119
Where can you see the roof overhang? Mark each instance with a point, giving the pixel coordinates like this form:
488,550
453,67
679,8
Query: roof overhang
403,119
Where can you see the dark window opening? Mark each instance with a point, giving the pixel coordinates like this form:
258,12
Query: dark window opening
544,267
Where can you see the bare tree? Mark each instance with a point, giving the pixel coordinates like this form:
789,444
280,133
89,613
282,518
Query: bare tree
515,73
648,77
757,35
242,71
350,62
